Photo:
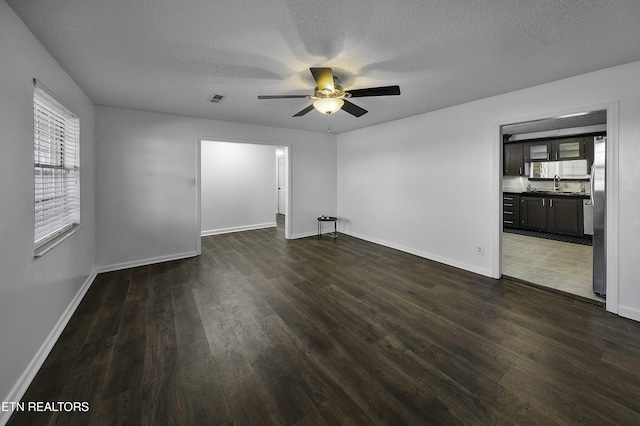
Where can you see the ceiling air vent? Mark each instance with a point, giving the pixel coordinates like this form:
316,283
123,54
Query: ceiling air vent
216,99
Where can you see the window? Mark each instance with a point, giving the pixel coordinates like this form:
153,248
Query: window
56,161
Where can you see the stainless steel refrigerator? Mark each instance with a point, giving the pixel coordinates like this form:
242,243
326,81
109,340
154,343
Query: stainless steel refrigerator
598,200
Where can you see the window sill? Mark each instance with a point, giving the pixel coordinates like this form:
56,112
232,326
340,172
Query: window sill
45,248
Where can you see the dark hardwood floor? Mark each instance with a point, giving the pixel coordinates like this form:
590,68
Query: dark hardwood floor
259,330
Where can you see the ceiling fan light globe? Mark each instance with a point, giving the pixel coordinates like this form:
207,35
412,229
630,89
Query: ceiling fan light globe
328,105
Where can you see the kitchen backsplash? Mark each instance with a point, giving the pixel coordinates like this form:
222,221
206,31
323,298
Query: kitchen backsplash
520,183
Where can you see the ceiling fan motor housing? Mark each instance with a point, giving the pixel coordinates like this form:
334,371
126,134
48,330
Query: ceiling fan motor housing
337,92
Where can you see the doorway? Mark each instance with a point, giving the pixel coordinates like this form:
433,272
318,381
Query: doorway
282,186
237,187
281,171
533,251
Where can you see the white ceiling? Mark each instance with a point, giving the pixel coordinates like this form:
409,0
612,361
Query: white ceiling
171,56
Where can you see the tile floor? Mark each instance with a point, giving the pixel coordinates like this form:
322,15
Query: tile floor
564,266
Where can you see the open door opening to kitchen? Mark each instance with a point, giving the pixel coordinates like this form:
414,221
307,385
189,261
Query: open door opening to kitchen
553,203
238,187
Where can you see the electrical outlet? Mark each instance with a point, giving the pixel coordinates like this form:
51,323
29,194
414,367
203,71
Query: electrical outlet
192,182
480,250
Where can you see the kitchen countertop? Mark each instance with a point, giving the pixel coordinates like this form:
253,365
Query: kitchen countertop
549,193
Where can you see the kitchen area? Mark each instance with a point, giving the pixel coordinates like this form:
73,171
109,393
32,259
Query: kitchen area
553,204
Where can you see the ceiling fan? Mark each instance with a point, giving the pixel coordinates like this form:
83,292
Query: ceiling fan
330,97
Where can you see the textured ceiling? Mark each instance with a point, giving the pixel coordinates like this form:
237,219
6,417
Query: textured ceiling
171,56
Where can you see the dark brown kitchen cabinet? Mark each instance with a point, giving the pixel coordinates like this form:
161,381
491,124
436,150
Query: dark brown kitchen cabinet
589,153
510,211
568,149
533,213
565,216
513,159
537,151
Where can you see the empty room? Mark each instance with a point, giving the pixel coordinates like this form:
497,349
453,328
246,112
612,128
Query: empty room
293,213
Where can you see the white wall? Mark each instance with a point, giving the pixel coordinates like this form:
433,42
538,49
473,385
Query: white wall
415,184
429,184
237,183
34,293
146,211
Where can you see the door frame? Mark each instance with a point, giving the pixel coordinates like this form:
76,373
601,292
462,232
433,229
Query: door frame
278,182
288,220
611,186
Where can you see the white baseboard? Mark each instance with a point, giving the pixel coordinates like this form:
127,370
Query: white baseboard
145,262
237,229
628,312
426,255
304,235
32,369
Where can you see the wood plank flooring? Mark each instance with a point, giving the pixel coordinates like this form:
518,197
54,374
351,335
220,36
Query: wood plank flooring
259,330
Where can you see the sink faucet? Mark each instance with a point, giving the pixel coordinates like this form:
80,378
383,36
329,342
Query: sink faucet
556,182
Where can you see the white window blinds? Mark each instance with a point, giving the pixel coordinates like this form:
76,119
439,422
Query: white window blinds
56,162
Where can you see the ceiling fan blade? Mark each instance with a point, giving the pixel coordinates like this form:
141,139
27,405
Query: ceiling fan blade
353,109
304,111
324,78
282,96
375,91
